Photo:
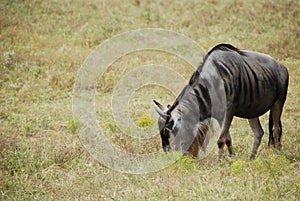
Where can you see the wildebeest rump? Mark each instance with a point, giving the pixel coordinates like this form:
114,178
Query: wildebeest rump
230,82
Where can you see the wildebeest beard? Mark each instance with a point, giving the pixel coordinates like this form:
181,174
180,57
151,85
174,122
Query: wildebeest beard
182,128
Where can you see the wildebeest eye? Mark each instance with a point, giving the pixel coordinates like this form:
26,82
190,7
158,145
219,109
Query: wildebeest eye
167,130
170,125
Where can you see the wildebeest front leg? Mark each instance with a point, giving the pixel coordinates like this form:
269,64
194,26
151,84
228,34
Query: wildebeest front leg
225,137
258,133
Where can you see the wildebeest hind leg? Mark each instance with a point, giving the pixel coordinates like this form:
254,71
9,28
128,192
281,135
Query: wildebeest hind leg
258,133
276,112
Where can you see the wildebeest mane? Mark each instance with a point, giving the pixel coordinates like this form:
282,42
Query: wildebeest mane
194,78
224,47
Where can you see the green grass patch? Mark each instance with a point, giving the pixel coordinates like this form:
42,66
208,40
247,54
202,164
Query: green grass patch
145,121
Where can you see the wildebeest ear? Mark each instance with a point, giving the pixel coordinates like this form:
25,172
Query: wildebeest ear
160,109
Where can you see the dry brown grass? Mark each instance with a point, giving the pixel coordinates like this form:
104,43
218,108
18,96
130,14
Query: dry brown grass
43,44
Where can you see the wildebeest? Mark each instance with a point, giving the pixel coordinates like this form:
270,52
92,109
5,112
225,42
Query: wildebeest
229,82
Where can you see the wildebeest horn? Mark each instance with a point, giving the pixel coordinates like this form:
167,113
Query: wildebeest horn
159,105
160,109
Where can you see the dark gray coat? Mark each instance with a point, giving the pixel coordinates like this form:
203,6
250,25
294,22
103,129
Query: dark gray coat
230,82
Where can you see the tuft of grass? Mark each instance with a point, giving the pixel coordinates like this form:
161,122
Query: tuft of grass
112,127
238,166
73,126
272,165
145,121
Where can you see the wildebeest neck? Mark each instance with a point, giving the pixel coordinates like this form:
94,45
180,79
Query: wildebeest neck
193,103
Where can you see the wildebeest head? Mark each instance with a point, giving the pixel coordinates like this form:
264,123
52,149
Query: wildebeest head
169,125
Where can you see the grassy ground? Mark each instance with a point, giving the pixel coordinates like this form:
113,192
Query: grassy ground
44,43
